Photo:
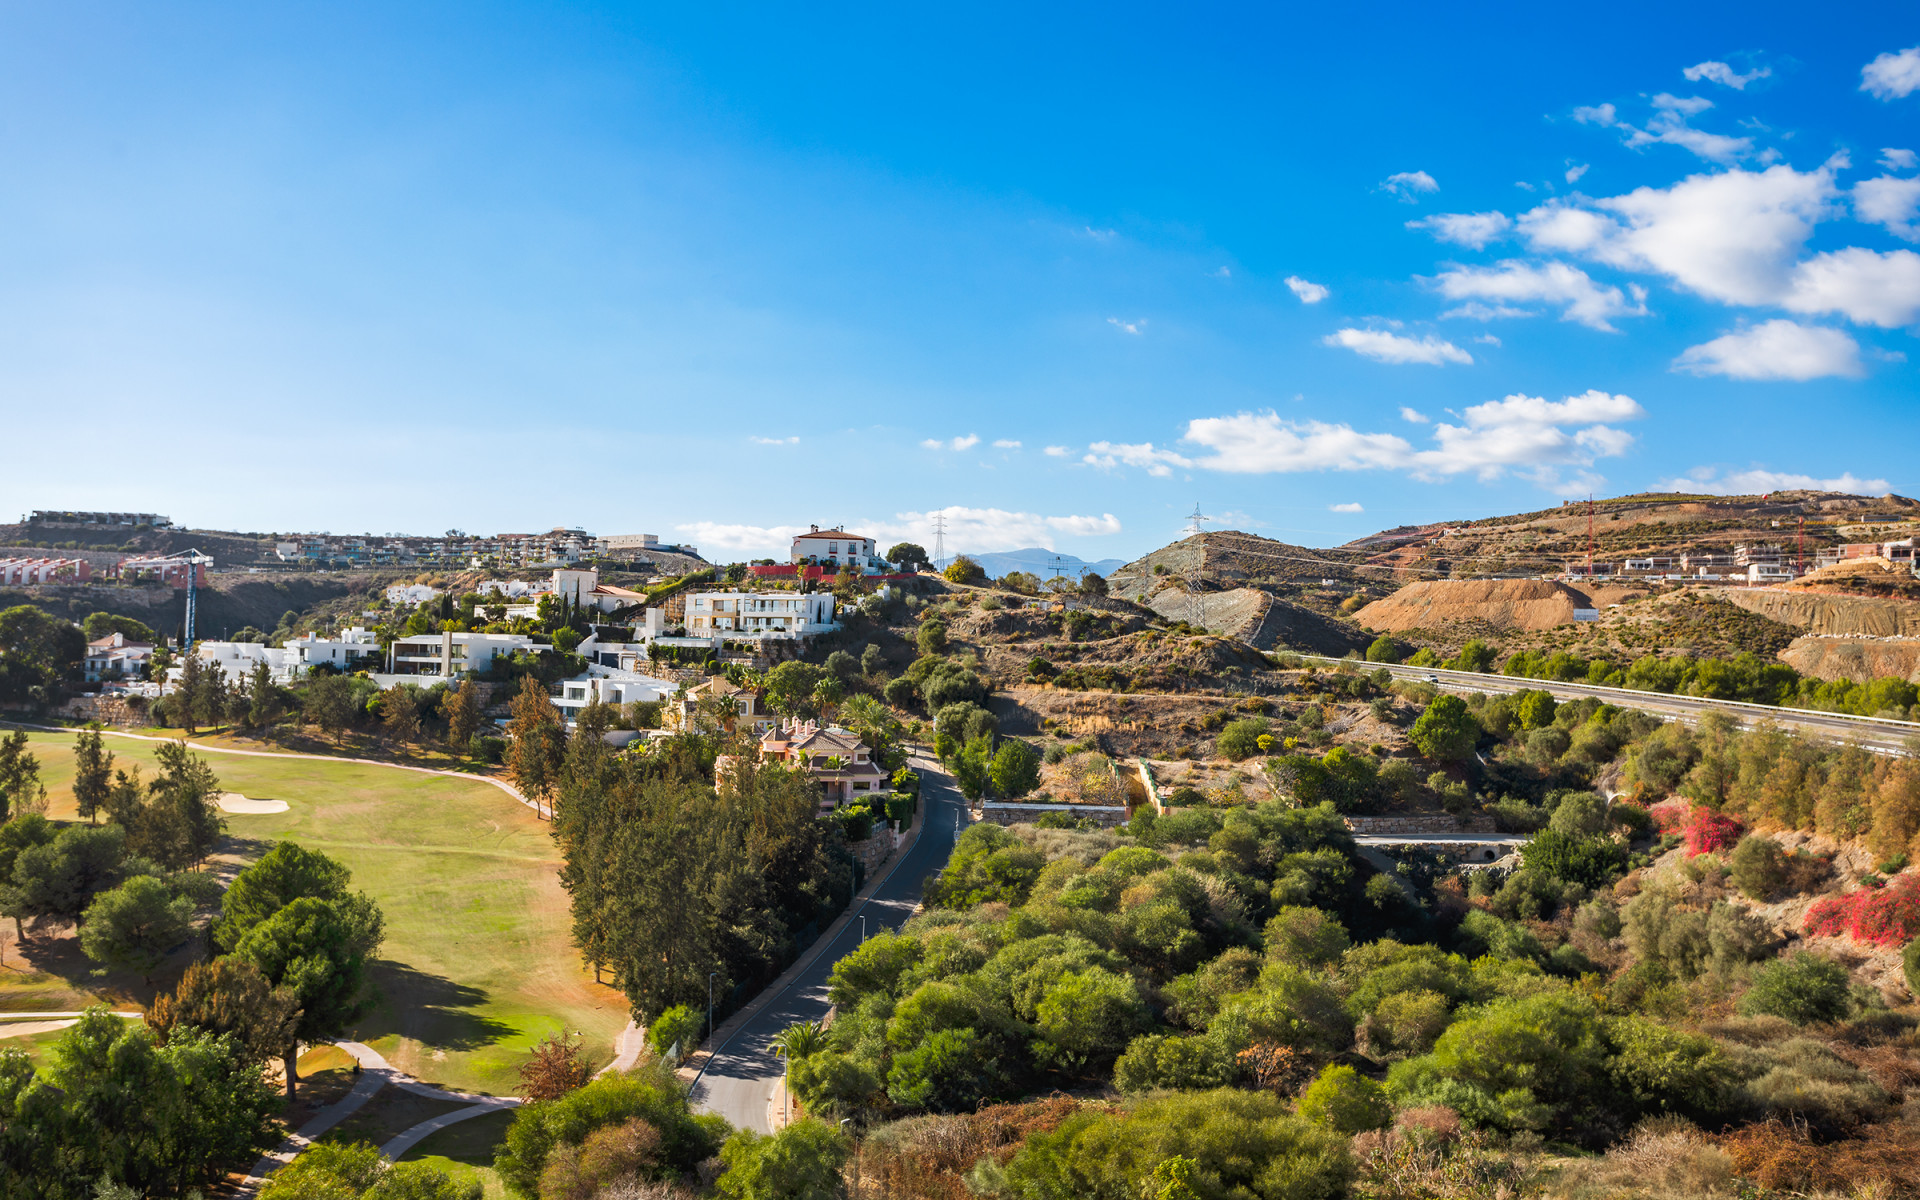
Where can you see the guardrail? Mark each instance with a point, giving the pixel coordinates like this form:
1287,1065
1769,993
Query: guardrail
1397,668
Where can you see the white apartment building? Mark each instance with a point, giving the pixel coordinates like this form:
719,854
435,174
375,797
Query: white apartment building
451,654
411,593
238,659
759,614
836,548
610,687
353,650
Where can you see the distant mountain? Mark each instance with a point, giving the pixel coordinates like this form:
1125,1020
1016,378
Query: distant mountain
1042,562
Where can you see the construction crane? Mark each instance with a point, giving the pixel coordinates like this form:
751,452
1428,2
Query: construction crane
193,560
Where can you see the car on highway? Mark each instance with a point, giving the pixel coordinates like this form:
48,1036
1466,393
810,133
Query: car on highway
1431,679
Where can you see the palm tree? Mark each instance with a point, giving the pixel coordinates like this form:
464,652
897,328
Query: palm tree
803,1039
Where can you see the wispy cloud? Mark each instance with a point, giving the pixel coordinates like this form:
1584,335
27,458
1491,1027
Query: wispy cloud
1145,455
1516,282
1757,482
1465,229
1415,416
1058,451
1899,160
1721,73
1309,293
1409,186
960,443
968,529
1575,171
1130,327
767,441
1385,347
1005,444
1346,508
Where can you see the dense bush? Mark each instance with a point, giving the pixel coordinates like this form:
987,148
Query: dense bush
545,1128
1804,989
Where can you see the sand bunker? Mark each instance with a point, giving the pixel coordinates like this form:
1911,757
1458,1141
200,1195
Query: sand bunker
23,1028
234,802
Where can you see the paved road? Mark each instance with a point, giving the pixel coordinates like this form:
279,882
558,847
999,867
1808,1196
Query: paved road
1888,737
738,1083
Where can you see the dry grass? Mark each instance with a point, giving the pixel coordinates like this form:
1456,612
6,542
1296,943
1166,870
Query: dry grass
926,1158
1884,1162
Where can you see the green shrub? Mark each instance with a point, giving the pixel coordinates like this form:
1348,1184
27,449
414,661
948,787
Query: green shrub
1345,1101
1910,961
1758,867
1305,937
1805,989
654,1095
1156,1062
801,1162
1241,739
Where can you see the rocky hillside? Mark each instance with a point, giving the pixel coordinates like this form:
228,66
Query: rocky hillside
1860,659
1497,604
1629,526
1258,618
1229,559
1831,615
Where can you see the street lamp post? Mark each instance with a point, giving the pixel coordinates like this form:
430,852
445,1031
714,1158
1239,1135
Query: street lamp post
710,975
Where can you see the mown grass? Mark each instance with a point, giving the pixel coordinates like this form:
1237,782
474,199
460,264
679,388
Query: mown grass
477,964
466,1150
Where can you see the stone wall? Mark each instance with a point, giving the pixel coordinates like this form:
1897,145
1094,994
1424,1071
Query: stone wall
113,711
1414,826
874,852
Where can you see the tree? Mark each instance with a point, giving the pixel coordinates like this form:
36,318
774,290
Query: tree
909,558
842,666
1384,650
60,877
174,820
971,764
801,1162
1015,770
931,637
1758,867
550,1129
1446,731
872,660
134,925
1805,989
538,741
92,772
1476,655
206,699
400,712
965,571
282,875
1345,1101
791,688
326,1170
317,950
37,652
329,703
20,786
103,624
263,697
1241,739
676,1030
463,715
1093,584
554,1068
229,996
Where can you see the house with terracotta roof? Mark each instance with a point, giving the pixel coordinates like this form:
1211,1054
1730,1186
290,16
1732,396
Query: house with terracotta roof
116,656
832,757
837,548
749,703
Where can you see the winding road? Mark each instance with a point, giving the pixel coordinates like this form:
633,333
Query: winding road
738,1081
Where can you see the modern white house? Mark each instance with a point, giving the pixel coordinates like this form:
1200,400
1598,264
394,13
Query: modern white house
355,649
583,587
411,593
836,548
610,687
451,654
238,659
745,615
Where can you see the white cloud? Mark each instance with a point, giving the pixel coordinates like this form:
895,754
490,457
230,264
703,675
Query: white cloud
1223,273
1592,304
1487,339
1100,235
1600,114
1346,508
1691,106
1890,201
968,529
1892,76
1865,286
1899,160
1758,482
1408,184
1527,434
1669,125
1465,229
1414,415
1473,310
1392,348
1146,455
1057,452
960,443
1006,444
767,441
1775,350
761,540
1719,72
1576,171
1309,293
1132,327
1730,237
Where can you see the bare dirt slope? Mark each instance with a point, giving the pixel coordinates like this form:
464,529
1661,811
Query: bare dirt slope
1499,604
1229,558
1838,616
1259,619
1859,659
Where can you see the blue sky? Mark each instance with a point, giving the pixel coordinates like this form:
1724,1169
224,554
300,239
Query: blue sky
718,272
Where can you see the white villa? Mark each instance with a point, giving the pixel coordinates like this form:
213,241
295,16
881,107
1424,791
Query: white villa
746,615
836,547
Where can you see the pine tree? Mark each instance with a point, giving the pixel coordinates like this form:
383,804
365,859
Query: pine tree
538,741
463,715
92,772
186,693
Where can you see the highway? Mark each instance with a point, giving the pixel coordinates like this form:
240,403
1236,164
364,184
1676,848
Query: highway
738,1083
1877,735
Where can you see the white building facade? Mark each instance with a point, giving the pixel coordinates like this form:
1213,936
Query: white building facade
760,614
837,548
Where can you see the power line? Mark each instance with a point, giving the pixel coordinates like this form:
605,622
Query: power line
1196,575
939,540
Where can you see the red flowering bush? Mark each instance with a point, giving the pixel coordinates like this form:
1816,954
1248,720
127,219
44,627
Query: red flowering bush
1885,916
1709,832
